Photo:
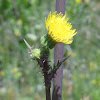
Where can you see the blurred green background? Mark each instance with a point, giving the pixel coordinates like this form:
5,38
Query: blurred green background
21,78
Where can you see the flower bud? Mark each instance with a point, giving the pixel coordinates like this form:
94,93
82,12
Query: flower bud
35,54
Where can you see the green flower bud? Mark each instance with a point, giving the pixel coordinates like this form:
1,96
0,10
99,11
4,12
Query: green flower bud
35,54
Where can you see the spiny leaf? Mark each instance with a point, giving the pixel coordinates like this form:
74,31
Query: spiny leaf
59,63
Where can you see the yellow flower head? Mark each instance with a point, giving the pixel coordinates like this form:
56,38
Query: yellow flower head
59,29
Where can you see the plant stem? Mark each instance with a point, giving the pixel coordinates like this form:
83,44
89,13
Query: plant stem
44,64
48,94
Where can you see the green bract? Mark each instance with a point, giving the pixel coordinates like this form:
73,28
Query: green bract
47,42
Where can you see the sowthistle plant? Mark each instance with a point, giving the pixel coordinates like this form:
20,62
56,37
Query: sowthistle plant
59,30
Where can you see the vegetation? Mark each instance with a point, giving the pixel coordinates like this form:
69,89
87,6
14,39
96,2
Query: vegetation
25,19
